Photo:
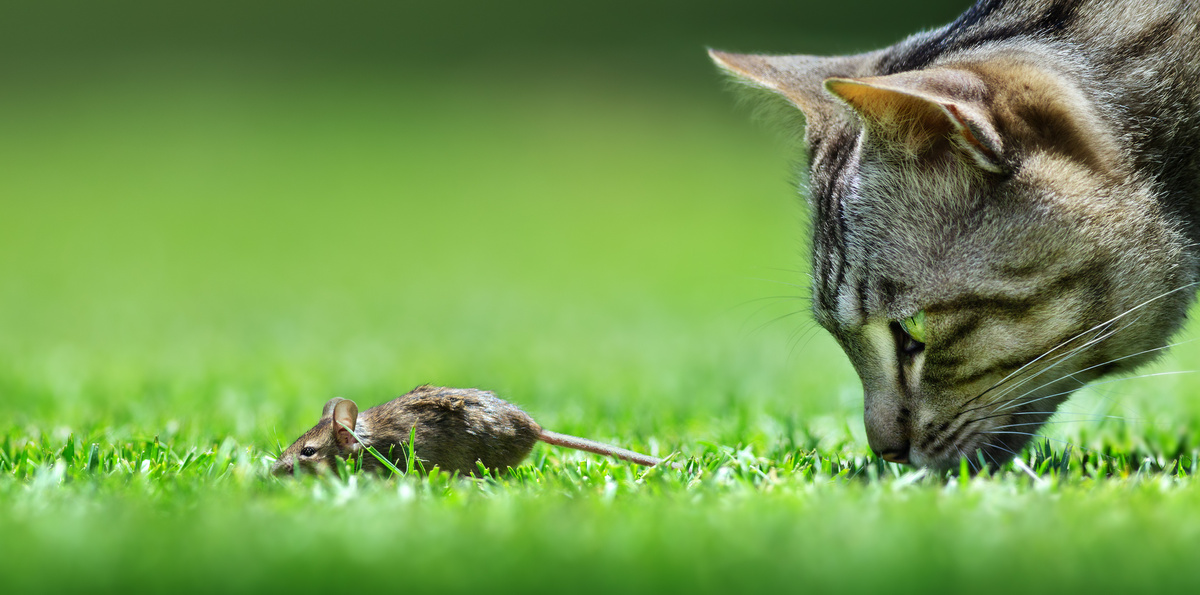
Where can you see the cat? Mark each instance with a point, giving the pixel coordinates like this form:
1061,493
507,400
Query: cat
1003,209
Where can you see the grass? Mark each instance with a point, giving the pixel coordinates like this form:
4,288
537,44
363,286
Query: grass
192,263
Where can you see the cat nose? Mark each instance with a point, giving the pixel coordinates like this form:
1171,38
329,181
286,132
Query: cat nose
887,424
895,455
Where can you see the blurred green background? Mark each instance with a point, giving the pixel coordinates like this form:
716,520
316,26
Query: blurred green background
255,205
214,216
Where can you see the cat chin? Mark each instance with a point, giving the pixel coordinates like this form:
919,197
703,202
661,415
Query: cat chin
941,463
937,462
978,451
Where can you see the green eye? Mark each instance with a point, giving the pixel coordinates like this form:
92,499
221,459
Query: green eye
915,326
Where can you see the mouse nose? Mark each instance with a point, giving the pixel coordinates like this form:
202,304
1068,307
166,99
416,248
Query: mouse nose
281,467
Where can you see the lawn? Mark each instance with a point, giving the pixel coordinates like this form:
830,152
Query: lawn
195,256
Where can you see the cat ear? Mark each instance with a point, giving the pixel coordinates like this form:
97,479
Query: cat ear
918,108
797,78
345,412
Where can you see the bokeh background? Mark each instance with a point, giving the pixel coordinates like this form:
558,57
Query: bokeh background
222,213
214,216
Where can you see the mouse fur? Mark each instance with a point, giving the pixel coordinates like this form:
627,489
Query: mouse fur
455,428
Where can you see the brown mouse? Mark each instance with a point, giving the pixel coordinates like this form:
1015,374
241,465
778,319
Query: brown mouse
455,427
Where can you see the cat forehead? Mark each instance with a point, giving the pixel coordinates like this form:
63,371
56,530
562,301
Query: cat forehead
915,205
904,236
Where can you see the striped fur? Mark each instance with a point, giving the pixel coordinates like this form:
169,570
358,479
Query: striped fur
1029,176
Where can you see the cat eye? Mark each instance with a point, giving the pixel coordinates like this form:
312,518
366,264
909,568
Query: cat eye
915,326
308,451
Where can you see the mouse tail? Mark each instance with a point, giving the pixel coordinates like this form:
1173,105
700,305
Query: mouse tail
599,448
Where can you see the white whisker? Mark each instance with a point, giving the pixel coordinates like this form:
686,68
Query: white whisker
1011,405
1057,361
961,456
1072,339
797,286
1019,464
1054,362
1030,434
1072,374
1046,423
1032,362
994,445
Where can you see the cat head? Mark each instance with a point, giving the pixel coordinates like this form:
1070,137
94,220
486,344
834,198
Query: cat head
981,245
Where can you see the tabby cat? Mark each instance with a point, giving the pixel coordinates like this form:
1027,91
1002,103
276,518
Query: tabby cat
1003,210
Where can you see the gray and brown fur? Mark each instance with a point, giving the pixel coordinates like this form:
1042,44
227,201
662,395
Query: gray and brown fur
1023,175
455,429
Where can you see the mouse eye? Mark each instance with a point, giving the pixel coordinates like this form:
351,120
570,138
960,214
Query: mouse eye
308,451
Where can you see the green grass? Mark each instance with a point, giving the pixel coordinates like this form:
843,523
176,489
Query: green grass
192,263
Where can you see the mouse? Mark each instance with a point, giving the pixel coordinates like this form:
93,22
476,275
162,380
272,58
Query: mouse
455,428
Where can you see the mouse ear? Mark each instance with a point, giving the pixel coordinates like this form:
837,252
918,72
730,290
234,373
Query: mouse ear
328,410
345,412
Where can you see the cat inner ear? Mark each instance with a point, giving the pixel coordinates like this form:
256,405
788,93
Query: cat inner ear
345,412
797,78
916,110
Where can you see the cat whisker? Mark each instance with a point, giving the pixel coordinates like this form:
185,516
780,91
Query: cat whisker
1049,439
1017,457
1102,383
1075,351
1012,402
805,336
1057,421
1035,360
1102,325
1032,435
760,309
1091,416
1001,447
1002,407
783,270
962,455
772,297
1072,374
1019,464
776,319
1059,394
1056,412
795,285
989,456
